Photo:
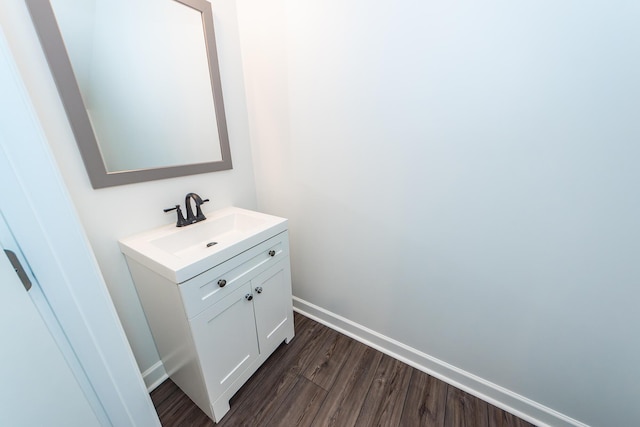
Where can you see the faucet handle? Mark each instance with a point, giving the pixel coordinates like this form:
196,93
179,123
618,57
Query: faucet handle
172,209
181,221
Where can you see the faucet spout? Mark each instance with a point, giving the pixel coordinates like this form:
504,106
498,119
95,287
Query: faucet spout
199,216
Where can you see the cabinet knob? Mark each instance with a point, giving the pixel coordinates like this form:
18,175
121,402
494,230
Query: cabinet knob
259,289
272,253
222,283
249,297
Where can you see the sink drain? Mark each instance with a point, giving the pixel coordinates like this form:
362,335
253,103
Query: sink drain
211,244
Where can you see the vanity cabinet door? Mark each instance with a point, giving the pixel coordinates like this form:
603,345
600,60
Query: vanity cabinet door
272,304
225,338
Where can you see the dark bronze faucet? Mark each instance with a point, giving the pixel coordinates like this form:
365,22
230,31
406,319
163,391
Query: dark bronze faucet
191,218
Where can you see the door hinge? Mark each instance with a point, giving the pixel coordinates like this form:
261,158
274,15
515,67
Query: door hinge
15,263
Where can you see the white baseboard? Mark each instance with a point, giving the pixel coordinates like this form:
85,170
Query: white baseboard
154,376
496,395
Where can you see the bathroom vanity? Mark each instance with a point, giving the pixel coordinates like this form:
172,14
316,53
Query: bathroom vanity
217,296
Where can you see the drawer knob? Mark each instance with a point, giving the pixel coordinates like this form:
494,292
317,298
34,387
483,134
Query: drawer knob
222,283
249,297
259,289
272,253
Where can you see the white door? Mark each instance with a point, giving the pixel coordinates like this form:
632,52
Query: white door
272,306
37,387
225,336
35,202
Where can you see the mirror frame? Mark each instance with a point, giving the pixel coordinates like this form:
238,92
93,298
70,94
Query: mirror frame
52,43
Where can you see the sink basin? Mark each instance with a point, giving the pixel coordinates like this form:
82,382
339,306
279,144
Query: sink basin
187,241
179,253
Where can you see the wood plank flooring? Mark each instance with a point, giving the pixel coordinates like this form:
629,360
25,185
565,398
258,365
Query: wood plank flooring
323,378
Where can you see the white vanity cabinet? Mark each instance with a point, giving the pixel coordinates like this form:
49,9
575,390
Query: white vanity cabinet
215,329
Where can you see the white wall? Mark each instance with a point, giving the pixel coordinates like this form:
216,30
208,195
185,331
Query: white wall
462,178
111,213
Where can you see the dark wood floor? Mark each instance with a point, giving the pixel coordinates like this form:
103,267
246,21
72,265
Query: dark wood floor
323,378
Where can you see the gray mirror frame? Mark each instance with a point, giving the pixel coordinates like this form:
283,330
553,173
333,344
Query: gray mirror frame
46,26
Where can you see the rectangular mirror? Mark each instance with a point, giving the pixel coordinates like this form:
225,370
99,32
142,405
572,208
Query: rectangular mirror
140,83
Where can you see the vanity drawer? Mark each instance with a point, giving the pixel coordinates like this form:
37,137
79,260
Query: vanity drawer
211,286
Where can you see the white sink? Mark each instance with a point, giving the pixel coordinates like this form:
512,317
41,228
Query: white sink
179,253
